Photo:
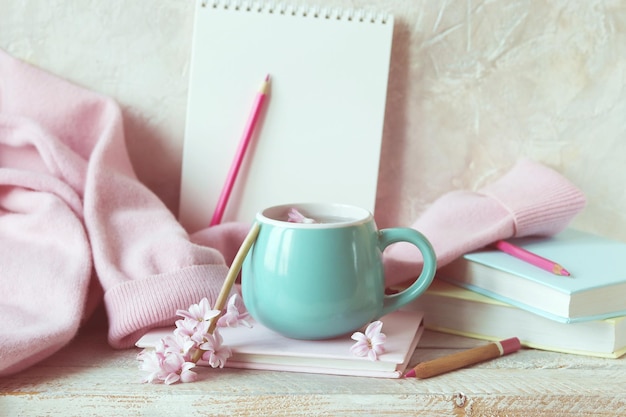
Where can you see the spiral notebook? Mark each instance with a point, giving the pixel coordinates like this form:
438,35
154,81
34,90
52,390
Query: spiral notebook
320,131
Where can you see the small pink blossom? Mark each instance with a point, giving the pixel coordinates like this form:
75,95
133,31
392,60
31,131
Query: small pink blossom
166,366
191,329
233,317
371,343
214,352
200,312
294,216
186,327
178,369
180,345
151,361
186,373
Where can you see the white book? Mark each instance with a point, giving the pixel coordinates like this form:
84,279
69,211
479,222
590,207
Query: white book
261,348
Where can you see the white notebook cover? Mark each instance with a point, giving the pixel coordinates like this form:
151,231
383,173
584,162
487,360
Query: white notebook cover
319,134
261,348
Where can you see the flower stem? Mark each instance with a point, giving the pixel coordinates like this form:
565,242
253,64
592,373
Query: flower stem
197,355
235,267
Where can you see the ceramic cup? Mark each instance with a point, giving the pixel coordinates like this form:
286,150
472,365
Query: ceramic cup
325,279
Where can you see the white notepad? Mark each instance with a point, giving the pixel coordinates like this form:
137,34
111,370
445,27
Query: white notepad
319,135
260,348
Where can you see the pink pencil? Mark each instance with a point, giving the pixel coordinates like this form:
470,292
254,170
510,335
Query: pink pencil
531,258
241,151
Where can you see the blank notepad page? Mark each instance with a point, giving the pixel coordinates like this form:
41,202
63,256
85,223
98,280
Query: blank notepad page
319,134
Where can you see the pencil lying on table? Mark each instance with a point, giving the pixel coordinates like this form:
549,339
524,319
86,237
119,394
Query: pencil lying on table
466,358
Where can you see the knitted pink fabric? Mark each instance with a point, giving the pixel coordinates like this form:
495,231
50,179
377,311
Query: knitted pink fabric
76,226
74,218
530,199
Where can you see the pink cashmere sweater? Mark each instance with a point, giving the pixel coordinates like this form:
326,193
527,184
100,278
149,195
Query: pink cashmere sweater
76,226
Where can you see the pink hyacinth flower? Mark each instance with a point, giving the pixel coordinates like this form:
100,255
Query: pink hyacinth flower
371,343
215,353
177,369
166,367
294,216
200,312
235,314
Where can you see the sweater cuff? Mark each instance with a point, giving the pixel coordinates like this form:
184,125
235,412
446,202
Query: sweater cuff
540,200
137,306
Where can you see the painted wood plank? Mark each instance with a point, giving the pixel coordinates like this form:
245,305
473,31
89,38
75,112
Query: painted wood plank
88,378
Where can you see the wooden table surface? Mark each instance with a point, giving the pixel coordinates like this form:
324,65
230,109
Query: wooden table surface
88,378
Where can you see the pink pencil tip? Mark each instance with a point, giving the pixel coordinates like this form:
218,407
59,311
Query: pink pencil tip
267,78
410,374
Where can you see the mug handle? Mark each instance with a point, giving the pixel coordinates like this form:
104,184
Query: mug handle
404,234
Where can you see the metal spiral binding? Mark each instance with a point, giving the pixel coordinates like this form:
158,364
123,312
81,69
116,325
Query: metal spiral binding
281,8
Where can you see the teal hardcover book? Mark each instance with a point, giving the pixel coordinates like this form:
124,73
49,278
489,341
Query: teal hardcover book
595,290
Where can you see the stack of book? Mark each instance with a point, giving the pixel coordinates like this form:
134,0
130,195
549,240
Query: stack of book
491,295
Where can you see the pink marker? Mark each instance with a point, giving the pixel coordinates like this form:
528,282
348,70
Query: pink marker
241,151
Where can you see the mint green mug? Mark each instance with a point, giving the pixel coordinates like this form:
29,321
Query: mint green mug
324,279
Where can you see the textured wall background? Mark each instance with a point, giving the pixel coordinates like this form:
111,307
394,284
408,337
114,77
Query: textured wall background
474,85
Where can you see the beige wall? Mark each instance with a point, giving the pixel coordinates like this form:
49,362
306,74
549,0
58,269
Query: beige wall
474,85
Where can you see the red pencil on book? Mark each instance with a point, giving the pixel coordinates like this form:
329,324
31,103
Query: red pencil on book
240,153
531,258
